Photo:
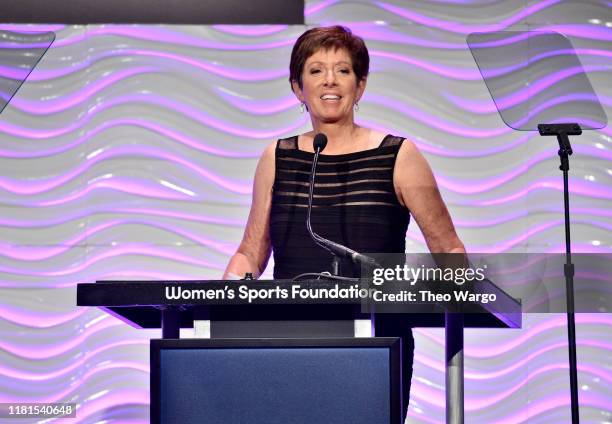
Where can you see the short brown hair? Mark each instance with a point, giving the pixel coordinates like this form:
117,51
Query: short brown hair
334,37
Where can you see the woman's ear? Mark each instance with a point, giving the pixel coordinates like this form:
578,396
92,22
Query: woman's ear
297,91
361,86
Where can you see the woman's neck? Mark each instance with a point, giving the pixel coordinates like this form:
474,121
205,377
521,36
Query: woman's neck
340,137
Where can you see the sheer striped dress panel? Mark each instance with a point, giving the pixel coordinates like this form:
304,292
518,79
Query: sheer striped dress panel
354,204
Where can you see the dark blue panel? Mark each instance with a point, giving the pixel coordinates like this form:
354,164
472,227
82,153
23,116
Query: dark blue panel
275,385
185,12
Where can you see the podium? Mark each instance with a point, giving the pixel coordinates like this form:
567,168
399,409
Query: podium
240,324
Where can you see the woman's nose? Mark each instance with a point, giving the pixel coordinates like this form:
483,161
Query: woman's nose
330,77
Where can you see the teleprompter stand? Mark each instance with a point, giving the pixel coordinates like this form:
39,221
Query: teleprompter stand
562,132
537,82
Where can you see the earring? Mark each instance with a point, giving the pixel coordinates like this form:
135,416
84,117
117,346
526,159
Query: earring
356,107
302,106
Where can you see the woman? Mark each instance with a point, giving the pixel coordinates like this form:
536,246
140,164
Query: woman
368,183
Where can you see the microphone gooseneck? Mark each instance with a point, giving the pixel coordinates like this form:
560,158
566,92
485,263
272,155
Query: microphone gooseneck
337,250
319,143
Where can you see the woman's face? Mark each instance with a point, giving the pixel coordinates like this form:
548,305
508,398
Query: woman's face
329,86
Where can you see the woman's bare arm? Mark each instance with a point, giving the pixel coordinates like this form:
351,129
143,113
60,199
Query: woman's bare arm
254,250
416,188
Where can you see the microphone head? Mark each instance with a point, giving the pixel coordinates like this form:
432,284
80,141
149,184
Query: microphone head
319,143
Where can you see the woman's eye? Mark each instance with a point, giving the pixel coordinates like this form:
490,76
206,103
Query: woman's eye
314,71
345,71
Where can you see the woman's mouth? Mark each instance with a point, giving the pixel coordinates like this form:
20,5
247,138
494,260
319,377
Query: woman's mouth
330,97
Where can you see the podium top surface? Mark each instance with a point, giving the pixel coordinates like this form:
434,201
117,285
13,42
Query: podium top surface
140,303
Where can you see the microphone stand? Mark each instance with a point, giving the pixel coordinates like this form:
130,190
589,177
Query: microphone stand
562,131
337,250
335,269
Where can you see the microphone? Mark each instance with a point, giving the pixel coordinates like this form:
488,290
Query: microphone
337,250
319,143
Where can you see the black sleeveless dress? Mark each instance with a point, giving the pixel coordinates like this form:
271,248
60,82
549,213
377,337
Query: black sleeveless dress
354,204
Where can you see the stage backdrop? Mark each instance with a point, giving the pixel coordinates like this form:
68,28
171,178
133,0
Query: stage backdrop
130,152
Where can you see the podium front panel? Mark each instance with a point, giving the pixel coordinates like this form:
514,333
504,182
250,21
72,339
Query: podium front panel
270,381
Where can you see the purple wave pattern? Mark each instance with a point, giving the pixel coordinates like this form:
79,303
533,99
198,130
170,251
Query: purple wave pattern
129,154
